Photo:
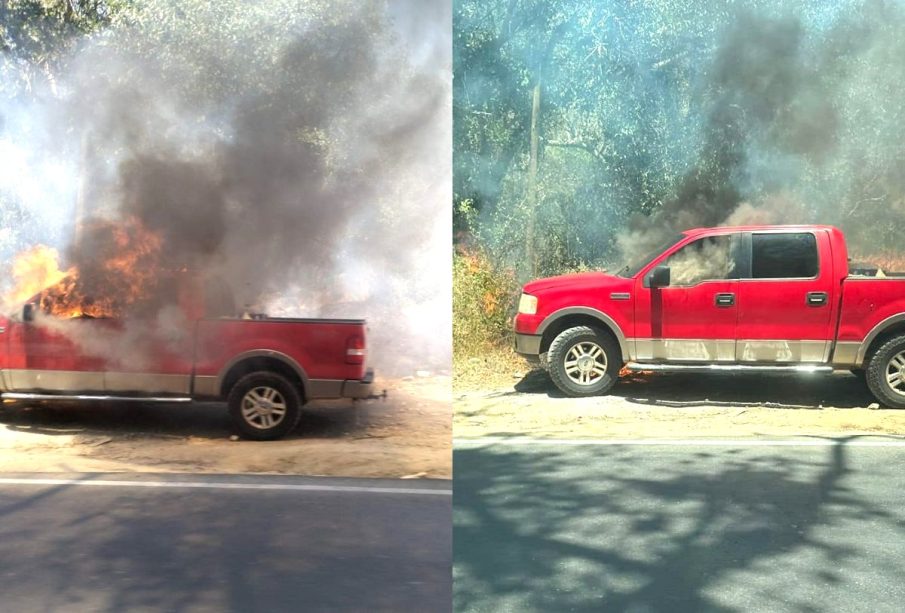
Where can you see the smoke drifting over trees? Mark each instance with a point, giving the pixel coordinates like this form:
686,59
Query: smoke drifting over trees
298,151
664,115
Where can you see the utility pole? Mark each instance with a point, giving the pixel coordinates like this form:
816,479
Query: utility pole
531,198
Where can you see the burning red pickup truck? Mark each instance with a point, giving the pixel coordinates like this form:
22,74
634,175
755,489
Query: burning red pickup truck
195,348
754,298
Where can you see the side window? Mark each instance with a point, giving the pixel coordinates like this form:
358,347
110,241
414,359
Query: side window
784,256
705,259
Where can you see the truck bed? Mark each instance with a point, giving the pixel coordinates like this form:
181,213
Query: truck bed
867,301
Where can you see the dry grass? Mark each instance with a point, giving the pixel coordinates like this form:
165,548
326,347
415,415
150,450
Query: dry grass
483,297
493,368
888,261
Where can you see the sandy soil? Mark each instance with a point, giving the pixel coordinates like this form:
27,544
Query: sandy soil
678,406
406,435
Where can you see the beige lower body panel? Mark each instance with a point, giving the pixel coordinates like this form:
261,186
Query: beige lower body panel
55,380
341,388
207,385
324,388
527,344
77,381
140,382
696,350
782,351
743,351
845,355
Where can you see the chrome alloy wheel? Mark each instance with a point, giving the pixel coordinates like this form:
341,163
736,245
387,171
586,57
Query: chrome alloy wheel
263,407
895,373
585,363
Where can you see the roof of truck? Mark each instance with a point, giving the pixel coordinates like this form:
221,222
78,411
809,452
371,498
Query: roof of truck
785,228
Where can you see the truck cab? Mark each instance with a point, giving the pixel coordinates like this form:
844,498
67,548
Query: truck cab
731,298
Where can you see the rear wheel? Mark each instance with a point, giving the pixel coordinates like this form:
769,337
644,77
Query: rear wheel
886,373
583,361
264,406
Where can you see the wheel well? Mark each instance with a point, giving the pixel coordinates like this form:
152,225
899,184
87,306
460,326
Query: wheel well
570,322
897,329
250,365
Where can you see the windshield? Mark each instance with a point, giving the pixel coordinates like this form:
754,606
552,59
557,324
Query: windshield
637,263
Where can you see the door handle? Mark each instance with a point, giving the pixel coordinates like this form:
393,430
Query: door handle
816,298
724,300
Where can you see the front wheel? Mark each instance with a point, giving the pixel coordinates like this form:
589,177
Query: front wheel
583,361
886,373
264,406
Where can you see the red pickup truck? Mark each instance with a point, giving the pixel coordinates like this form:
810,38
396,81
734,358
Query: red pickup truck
265,368
754,298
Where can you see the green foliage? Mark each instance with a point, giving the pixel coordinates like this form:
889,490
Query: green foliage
483,301
230,47
674,112
609,146
36,36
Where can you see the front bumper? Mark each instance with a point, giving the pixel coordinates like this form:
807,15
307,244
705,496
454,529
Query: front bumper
527,345
359,389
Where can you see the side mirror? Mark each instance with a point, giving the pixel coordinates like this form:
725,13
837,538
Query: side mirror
658,277
28,312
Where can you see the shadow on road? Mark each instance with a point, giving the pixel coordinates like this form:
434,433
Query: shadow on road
810,391
203,420
126,549
602,529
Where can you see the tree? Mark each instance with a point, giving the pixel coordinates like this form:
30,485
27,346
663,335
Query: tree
657,116
36,36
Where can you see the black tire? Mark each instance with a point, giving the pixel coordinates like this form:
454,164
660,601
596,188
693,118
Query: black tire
888,361
258,395
591,377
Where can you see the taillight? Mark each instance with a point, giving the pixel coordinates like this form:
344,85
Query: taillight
355,350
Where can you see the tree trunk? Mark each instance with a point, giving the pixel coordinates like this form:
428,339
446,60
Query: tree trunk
80,193
531,196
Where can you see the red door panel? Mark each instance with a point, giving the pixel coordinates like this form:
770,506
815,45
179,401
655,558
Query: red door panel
56,355
694,318
787,319
686,323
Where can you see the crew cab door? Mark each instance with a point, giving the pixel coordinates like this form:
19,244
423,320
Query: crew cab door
54,355
694,317
158,341
785,297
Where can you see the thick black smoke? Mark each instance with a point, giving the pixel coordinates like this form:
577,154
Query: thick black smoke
304,161
805,126
765,93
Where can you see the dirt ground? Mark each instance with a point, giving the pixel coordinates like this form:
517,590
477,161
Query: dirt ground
677,406
406,435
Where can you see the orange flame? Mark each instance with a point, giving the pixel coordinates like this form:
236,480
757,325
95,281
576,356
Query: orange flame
34,270
129,274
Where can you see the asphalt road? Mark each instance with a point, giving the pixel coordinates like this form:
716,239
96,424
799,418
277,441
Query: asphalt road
212,543
681,527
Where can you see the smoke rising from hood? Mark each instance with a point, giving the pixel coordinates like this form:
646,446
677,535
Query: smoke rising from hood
305,161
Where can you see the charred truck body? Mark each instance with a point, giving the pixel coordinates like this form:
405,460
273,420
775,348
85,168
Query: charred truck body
265,368
754,298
